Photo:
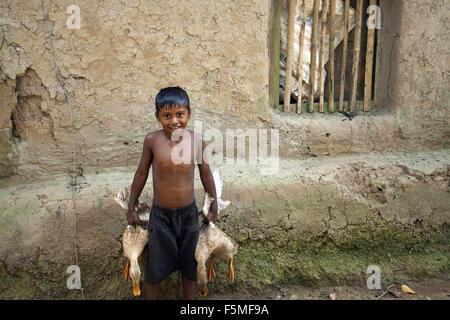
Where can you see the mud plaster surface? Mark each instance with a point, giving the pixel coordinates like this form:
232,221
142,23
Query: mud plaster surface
126,51
113,68
315,222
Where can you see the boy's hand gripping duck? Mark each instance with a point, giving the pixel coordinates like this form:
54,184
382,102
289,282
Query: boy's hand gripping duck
213,241
134,239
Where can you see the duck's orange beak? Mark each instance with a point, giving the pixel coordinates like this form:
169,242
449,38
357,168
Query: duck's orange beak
136,289
203,292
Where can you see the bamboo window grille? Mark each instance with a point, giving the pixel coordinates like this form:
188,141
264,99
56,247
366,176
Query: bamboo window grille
326,96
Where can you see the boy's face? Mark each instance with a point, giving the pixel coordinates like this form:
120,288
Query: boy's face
173,118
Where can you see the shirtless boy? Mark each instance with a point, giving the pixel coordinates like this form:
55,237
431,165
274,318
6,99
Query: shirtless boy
173,227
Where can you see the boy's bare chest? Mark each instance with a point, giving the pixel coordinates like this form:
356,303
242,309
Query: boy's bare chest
173,158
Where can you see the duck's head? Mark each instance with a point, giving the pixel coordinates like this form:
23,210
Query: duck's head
202,280
203,291
135,274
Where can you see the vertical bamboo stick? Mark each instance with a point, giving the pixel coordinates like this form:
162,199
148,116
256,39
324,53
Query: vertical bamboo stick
356,53
274,77
331,56
290,55
344,56
369,66
300,58
322,54
312,74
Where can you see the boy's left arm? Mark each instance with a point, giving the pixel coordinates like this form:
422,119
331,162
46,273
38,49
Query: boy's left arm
208,182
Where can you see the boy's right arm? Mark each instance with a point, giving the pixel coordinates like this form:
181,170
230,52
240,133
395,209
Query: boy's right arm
139,180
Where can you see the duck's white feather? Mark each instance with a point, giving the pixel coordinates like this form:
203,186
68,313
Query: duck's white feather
218,182
142,208
221,204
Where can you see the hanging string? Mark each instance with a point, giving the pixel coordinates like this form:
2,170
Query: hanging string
74,177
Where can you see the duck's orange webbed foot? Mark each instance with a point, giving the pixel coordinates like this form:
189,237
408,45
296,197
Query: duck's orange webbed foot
231,272
211,272
126,271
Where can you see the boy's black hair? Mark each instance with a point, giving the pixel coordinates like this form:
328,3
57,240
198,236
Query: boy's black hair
171,97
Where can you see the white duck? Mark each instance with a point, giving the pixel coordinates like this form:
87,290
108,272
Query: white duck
213,241
134,239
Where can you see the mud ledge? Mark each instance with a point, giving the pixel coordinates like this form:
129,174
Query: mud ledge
260,267
318,221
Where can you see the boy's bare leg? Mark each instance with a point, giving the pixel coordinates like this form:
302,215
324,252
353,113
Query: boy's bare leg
152,291
188,288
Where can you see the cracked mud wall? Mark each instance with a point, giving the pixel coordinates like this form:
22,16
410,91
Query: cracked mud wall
7,150
126,50
114,66
413,71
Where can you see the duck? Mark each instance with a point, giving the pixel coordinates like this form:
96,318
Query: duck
213,242
134,240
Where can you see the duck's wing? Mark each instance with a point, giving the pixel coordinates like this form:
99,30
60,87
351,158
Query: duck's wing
144,216
142,208
222,204
123,197
218,182
206,204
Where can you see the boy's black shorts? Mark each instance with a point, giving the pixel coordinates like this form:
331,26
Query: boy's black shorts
172,239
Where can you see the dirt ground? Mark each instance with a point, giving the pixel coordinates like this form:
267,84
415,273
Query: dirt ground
426,289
